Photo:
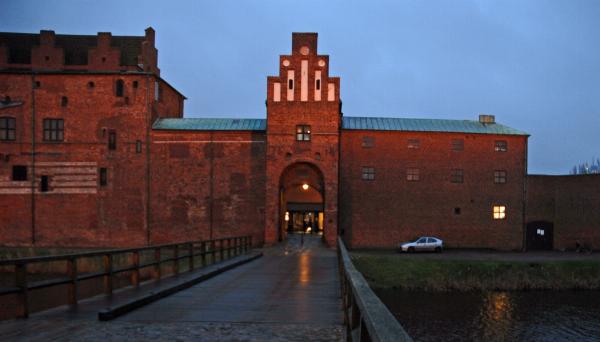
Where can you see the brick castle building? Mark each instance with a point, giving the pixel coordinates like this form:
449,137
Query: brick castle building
95,151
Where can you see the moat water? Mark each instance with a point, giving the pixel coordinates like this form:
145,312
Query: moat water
497,316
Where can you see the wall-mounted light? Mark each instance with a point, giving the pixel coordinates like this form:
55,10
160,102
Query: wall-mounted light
287,215
304,186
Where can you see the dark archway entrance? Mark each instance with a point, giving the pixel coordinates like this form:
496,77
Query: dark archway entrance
540,235
301,200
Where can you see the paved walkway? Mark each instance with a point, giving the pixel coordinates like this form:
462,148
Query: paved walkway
290,294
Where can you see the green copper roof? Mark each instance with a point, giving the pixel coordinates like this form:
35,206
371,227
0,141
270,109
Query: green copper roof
348,122
206,124
426,125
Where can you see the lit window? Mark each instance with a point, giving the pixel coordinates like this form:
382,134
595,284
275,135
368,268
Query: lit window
458,144
303,133
457,176
368,142
499,212
412,174
414,143
8,128
500,146
500,176
54,130
368,173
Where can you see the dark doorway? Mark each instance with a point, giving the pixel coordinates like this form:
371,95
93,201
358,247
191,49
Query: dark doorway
540,235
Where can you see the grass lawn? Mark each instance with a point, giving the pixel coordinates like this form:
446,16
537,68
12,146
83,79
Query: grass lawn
385,271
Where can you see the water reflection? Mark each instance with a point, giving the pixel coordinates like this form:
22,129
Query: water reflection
497,316
304,268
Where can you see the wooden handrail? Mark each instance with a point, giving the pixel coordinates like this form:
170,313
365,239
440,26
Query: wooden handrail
180,250
366,318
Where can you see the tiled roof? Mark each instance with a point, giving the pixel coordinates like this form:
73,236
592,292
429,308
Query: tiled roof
426,125
206,124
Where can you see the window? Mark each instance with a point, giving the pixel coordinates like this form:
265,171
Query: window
103,176
500,176
135,84
138,146
44,184
414,143
500,146
156,91
368,173
368,142
53,130
64,101
290,84
457,176
499,212
303,133
91,85
458,144
422,240
19,173
119,88
8,128
318,85
412,174
457,211
112,140
38,84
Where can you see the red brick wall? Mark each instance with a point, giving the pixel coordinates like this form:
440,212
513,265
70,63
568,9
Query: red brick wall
390,209
206,181
77,211
572,203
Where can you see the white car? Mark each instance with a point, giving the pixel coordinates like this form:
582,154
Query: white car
424,243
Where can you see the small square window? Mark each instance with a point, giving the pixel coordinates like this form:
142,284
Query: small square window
458,144
414,143
54,129
19,173
368,173
8,128
103,176
457,211
412,175
500,146
499,212
368,142
457,176
500,176
303,133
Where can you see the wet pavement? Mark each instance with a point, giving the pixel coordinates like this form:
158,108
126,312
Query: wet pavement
290,294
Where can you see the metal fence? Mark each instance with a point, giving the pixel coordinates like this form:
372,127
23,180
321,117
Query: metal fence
208,252
366,318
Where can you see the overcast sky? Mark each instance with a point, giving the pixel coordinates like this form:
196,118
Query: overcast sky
533,64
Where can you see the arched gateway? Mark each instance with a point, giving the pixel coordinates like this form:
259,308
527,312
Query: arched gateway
301,194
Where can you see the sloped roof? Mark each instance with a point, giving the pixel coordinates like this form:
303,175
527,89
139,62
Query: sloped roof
426,125
348,123
210,124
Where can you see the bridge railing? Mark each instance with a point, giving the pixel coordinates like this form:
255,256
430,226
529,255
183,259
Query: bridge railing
366,318
173,254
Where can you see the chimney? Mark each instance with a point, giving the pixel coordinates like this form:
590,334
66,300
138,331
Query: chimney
487,119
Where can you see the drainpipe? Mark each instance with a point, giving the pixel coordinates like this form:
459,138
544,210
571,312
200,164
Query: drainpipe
32,158
211,186
148,124
525,182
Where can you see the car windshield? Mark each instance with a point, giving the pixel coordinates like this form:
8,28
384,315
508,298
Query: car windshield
422,240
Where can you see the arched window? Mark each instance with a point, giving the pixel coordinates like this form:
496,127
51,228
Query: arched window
119,89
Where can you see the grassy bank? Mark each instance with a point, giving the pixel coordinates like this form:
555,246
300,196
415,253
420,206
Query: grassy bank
385,271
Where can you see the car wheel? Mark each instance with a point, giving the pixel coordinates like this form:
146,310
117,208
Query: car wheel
411,249
438,249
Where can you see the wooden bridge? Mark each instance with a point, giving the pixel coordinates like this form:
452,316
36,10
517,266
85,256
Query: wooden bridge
202,290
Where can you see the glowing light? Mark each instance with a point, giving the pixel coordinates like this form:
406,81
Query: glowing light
287,215
304,186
